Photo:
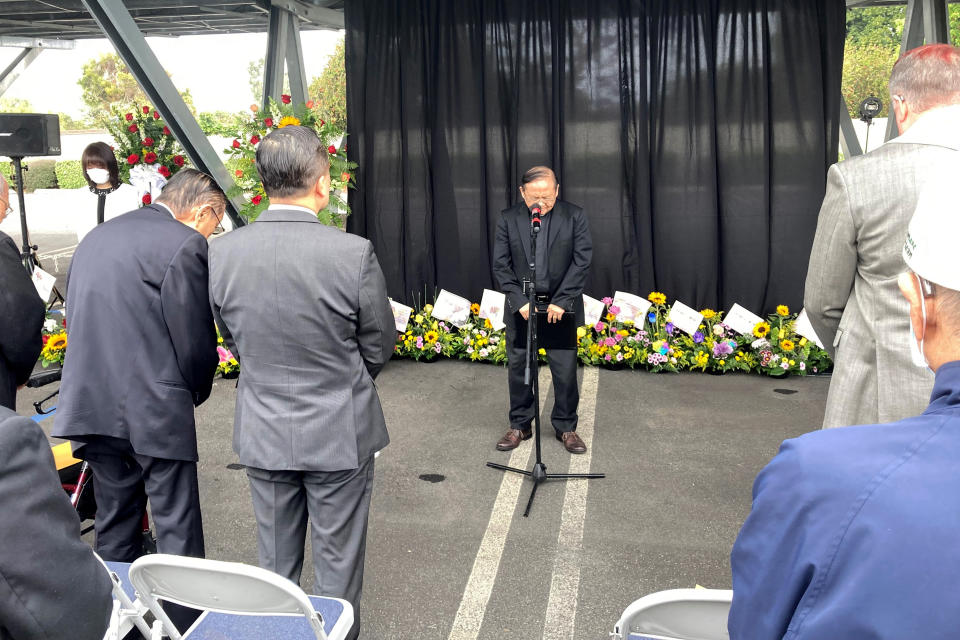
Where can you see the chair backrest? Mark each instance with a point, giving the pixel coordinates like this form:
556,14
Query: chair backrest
126,612
677,614
225,587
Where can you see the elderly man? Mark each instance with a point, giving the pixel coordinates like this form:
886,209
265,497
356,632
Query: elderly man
305,308
141,357
21,314
564,251
853,532
851,291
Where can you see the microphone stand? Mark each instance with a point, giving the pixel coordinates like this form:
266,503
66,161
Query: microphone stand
531,378
28,252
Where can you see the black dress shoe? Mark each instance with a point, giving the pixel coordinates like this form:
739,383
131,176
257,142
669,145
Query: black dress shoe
571,441
513,438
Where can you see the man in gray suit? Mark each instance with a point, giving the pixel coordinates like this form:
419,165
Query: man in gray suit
305,309
851,295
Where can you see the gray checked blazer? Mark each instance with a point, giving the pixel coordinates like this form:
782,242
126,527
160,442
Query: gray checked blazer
304,308
851,293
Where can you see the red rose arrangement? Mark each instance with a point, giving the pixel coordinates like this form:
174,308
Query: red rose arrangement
142,138
276,115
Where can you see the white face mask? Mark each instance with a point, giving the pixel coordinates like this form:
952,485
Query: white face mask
916,350
98,176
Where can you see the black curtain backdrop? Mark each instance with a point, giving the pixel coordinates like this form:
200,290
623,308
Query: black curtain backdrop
695,133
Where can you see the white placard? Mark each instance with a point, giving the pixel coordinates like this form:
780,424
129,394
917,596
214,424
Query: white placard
684,318
741,320
632,308
44,282
451,308
805,329
491,308
592,310
401,315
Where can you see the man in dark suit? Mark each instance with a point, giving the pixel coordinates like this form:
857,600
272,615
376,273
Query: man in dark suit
564,251
141,357
51,585
304,306
21,314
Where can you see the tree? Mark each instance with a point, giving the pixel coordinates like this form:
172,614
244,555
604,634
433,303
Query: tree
69,123
107,85
15,105
220,123
329,90
255,71
866,72
876,26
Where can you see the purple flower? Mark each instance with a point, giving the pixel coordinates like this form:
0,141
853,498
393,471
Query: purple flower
614,309
607,300
669,328
698,337
721,349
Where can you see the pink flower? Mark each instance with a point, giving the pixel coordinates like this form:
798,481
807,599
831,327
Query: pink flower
599,326
614,309
224,354
607,301
608,357
609,342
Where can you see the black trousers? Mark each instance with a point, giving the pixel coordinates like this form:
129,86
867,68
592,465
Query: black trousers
566,394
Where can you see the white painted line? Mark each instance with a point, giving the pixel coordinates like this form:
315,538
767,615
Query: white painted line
565,584
473,604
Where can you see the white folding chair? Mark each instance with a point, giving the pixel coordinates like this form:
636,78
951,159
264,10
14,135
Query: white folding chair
220,587
127,613
677,614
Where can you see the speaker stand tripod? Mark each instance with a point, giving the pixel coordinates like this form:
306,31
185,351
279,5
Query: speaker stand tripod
28,252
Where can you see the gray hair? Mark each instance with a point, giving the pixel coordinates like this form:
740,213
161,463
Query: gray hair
190,188
927,77
290,160
538,173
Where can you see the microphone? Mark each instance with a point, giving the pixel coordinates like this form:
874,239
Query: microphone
535,217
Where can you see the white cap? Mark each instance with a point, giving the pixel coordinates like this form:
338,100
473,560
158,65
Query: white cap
932,247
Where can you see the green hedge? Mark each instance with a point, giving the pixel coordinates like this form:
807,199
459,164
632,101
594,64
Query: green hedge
42,175
69,175
6,168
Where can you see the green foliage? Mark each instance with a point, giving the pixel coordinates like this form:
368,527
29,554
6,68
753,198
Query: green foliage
69,175
6,168
69,123
15,105
42,175
219,123
866,72
875,26
108,85
329,90
255,72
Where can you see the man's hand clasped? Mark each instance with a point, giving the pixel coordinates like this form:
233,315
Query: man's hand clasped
554,313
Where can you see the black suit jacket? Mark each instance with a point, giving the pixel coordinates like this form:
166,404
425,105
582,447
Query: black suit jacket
142,343
21,320
51,585
570,252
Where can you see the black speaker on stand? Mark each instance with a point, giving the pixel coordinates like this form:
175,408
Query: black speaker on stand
29,135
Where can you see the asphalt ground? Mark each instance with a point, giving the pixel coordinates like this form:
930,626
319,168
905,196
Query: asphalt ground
449,554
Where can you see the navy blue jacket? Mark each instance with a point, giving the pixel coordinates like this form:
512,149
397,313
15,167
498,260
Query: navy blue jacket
142,343
855,532
21,319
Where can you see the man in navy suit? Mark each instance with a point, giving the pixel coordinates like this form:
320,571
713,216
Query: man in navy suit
21,314
141,357
564,252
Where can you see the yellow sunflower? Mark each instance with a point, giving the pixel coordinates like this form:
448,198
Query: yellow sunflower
56,342
786,345
431,336
657,298
761,330
287,120
783,310
708,313
475,308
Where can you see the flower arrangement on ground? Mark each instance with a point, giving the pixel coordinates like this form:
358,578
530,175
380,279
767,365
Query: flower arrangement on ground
54,348
481,343
262,121
427,338
147,153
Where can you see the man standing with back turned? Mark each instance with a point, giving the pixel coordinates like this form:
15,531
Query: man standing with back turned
305,308
851,293
564,251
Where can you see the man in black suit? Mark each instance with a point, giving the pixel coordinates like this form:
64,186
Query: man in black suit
21,314
564,251
141,357
51,585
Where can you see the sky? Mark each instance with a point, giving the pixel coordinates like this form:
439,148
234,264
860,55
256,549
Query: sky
213,67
